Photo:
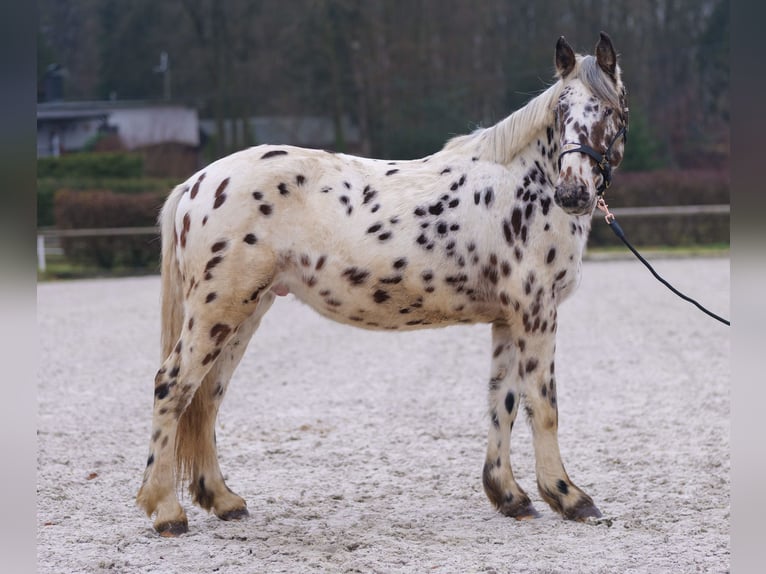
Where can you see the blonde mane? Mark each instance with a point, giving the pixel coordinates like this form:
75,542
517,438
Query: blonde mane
501,142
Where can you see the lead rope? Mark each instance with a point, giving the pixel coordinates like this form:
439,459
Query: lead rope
612,222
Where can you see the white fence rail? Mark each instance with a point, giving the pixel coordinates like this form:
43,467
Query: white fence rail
44,234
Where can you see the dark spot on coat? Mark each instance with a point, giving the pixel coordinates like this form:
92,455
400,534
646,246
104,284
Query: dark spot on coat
384,236
393,280
392,171
265,209
380,296
489,196
355,275
551,255
516,221
300,179
320,262
510,402
195,188
273,153
161,391
562,487
436,208
219,332
282,187
250,239
374,228
218,246
400,263
210,297
220,196
368,195
507,232
185,229
213,262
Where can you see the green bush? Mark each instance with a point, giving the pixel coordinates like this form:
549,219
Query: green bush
105,209
92,165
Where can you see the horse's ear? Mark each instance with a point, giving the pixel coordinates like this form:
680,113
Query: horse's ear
565,57
605,55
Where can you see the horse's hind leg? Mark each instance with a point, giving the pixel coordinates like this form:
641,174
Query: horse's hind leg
504,393
209,323
553,483
196,445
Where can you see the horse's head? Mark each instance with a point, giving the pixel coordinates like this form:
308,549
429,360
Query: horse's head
592,123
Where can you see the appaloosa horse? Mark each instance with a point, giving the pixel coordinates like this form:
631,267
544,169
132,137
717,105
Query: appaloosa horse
490,229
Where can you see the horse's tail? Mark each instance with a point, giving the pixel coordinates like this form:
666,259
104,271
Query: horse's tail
191,433
172,314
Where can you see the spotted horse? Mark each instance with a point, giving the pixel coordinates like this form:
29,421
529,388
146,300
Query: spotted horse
490,229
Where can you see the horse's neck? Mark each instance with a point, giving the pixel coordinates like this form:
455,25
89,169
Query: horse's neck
538,154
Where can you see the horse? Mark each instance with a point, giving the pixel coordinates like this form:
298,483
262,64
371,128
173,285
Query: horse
490,229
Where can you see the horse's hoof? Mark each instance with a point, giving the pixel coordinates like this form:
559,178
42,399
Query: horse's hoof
235,514
584,512
173,528
527,512
520,511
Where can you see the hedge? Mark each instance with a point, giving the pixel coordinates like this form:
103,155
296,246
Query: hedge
105,209
666,188
47,187
92,165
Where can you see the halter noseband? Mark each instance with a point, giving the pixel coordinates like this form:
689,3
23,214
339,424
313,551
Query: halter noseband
603,161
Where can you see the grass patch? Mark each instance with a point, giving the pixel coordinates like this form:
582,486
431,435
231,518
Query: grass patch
659,251
57,267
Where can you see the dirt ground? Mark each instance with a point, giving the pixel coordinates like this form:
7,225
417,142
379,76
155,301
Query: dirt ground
362,452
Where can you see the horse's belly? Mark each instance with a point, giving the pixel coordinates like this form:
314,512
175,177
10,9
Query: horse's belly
386,307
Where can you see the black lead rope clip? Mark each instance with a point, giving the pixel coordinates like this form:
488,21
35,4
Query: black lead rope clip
612,222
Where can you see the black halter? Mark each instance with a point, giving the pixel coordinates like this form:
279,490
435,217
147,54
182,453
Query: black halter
603,161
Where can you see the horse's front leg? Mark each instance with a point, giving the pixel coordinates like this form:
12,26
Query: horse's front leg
504,394
539,386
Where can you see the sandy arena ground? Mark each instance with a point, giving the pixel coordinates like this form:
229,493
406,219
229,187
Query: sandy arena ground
362,452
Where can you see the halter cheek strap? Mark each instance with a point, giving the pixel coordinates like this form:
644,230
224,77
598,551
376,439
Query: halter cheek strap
603,161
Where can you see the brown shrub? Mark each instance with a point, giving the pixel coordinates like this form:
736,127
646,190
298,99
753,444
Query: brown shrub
103,209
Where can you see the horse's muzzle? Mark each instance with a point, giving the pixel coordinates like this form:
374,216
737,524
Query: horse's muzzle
574,198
